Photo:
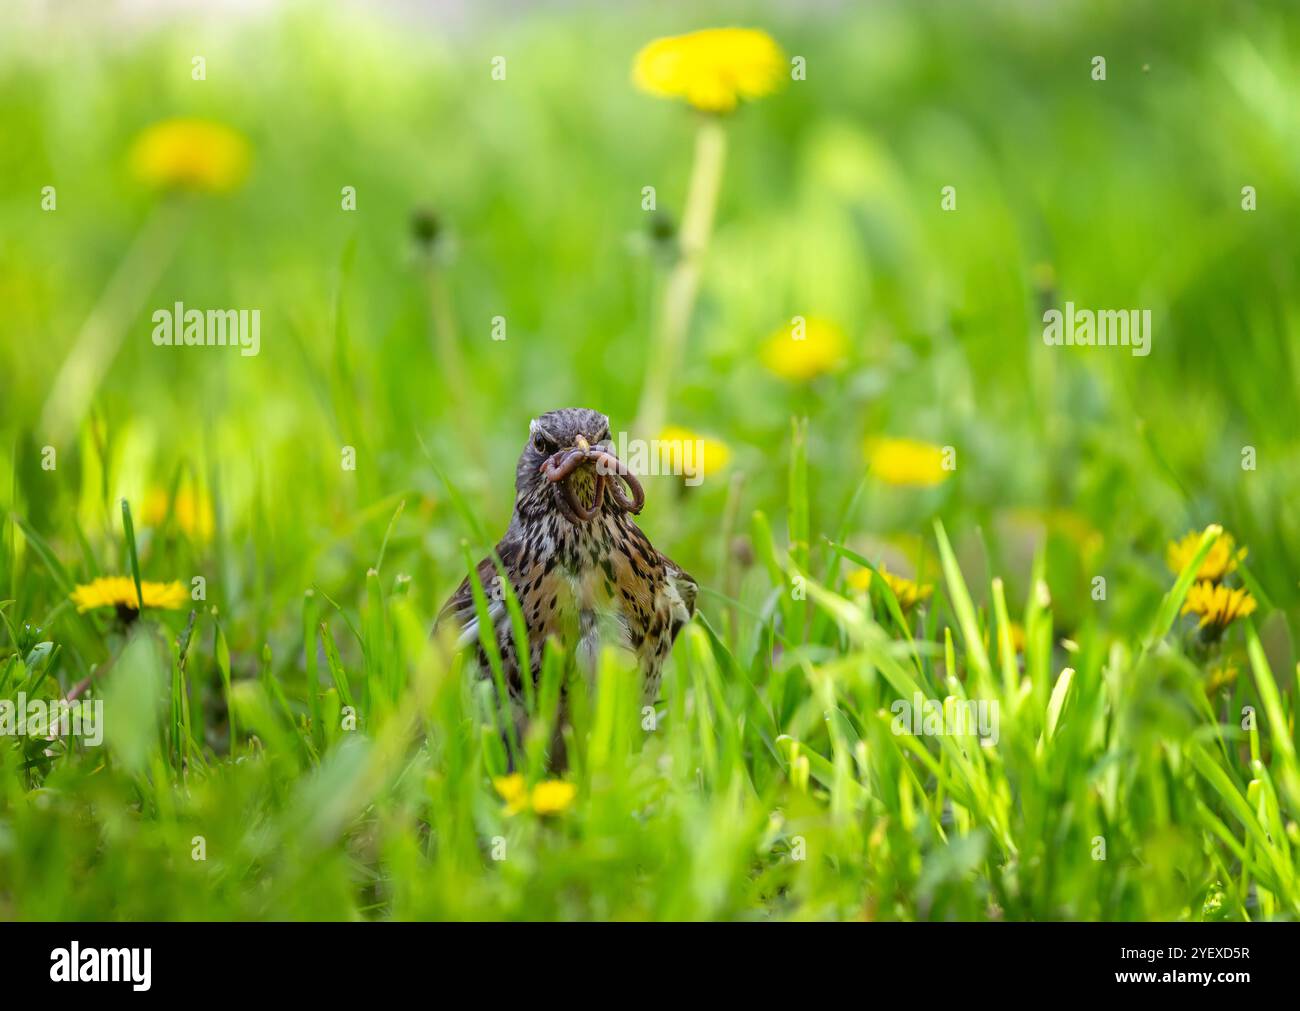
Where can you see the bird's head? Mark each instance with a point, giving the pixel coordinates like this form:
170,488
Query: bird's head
569,466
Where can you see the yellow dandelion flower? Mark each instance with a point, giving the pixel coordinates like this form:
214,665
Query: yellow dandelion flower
1221,675
191,510
805,349
190,154
859,579
907,462
908,592
711,69
1017,633
513,791
1220,561
695,456
119,592
554,796
1217,606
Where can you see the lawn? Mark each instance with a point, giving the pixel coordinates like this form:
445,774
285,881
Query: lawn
449,223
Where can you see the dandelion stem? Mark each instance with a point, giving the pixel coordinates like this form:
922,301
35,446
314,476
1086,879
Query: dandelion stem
683,283
447,354
101,335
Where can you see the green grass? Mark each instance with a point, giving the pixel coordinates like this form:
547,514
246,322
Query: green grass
302,733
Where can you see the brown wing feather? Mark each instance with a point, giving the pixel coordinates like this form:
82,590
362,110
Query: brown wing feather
460,605
685,584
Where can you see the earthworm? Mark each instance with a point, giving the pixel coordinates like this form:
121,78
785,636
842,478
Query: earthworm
568,461
570,498
560,465
557,468
607,462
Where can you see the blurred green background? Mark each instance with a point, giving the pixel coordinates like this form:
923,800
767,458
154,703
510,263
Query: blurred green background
1119,193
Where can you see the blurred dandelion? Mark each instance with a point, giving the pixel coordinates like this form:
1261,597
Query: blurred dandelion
1016,635
1220,675
1217,606
906,462
1221,560
513,790
812,348
708,458
711,70
190,510
197,155
554,796
907,592
550,797
119,592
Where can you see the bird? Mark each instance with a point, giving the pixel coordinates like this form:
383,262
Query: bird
582,570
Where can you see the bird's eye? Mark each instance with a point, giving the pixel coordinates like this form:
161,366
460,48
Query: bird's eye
540,444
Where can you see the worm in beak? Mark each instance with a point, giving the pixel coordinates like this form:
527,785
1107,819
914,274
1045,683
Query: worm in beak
608,464
558,467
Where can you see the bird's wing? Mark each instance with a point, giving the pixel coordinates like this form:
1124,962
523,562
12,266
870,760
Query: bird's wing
459,608
682,590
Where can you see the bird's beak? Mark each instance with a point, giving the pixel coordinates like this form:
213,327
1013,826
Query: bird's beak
582,444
